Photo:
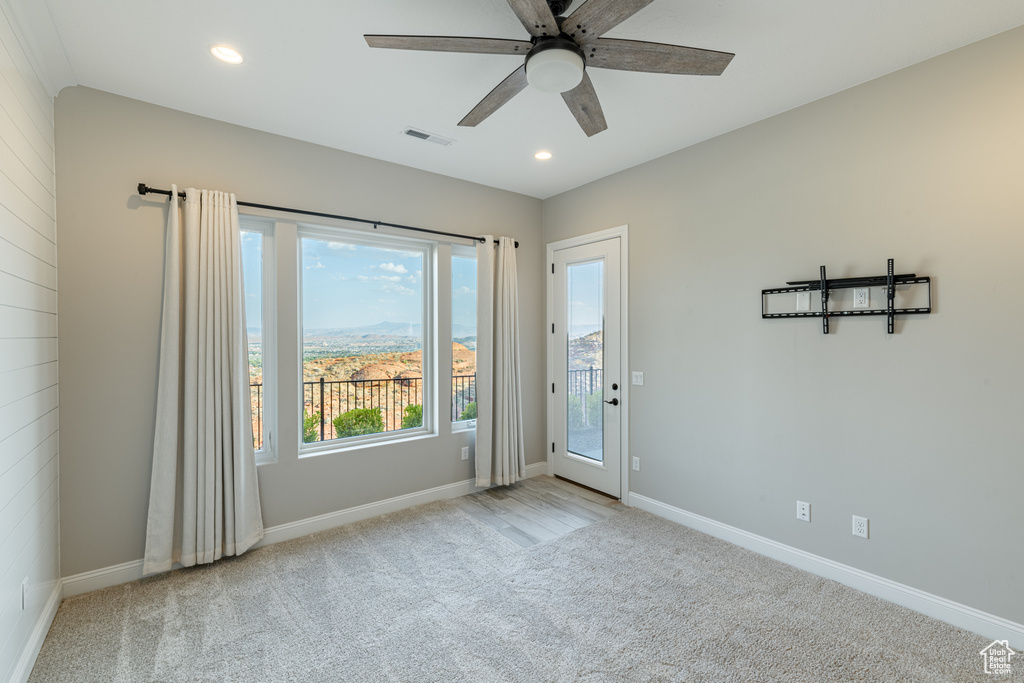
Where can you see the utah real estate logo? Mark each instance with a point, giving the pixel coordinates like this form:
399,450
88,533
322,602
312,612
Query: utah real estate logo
997,657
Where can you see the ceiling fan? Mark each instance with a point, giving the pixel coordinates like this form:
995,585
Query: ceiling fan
560,50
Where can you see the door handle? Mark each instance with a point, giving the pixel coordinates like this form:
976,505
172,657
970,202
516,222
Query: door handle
614,401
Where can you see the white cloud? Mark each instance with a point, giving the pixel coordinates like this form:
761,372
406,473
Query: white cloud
464,290
341,245
379,278
315,266
393,268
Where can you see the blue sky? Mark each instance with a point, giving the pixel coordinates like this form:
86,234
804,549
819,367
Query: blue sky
350,285
586,303
252,273
463,291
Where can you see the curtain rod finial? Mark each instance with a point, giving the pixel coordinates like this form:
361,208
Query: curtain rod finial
143,189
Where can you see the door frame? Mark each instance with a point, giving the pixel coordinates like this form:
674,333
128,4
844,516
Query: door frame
621,232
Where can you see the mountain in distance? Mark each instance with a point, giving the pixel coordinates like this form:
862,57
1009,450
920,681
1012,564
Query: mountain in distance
386,329
577,331
382,329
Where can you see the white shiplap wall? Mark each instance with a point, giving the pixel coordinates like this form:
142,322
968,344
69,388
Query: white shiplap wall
29,545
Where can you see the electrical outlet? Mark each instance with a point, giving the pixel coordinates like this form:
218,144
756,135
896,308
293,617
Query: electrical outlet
860,297
638,379
803,511
636,464
465,452
860,526
24,594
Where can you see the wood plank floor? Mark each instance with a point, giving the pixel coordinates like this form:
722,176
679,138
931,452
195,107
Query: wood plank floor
537,509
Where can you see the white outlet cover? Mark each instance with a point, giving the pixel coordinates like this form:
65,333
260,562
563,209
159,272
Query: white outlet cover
861,298
860,526
638,379
636,463
803,301
465,452
803,511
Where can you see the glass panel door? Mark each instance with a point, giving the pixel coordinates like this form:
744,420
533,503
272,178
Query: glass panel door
585,359
586,398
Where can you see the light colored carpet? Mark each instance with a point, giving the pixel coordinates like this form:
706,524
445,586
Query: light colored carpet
432,594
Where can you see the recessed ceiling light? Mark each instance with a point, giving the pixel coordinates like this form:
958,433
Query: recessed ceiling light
226,54
543,156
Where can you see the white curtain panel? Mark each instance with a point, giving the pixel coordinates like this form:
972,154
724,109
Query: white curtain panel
500,453
204,500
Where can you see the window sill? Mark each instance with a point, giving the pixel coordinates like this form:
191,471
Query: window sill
332,447
463,426
265,458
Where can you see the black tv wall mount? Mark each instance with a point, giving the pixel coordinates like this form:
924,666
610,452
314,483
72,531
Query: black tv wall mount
913,300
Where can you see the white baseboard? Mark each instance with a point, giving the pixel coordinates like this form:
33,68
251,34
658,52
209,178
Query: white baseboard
131,571
23,669
953,613
86,582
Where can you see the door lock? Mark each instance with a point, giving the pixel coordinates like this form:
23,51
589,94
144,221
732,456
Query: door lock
614,401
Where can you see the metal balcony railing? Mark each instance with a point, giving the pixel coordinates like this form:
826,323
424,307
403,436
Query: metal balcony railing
328,399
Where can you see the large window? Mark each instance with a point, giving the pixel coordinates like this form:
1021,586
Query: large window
257,278
463,337
366,318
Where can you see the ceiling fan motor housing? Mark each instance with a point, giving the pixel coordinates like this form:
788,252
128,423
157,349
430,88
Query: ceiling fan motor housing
559,6
555,64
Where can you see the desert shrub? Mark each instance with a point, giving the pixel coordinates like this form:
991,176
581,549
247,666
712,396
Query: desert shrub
470,412
586,411
574,412
358,421
413,417
311,427
595,408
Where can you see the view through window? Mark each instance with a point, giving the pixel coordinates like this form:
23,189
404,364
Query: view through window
252,279
464,337
364,306
585,407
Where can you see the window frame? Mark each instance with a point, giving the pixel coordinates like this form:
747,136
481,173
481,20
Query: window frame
265,227
428,250
466,252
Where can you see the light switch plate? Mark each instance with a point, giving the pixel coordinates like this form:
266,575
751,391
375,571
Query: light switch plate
638,379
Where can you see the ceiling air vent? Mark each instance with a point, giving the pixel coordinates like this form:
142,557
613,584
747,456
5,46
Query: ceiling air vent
429,137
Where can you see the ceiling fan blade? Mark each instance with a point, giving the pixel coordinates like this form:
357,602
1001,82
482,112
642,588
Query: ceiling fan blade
506,90
595,17
657,58
584,105
488,46
536,17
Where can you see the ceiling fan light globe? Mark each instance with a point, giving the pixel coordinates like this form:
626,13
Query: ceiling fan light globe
554,71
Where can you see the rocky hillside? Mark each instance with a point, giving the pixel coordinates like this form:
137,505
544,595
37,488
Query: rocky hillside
383,366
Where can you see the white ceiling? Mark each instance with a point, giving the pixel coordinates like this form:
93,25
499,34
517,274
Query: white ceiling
309,74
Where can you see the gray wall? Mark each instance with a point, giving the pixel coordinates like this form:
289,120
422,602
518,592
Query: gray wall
921,431
111,270
29,547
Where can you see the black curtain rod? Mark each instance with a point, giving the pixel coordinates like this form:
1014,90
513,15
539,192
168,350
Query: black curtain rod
145,189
